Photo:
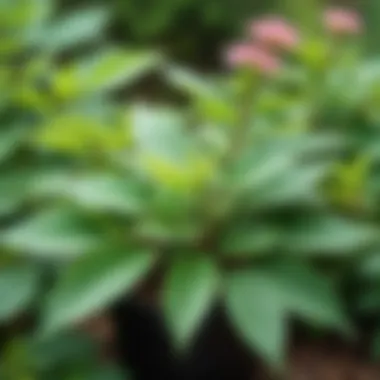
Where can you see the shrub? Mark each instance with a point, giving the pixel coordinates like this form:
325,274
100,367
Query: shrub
260,190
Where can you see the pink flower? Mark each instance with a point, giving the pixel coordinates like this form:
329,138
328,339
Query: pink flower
251,56
343,21
275,32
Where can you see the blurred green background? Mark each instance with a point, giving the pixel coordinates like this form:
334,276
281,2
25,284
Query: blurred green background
194,31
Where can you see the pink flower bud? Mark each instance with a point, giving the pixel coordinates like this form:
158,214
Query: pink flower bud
275,32
251,56
343,21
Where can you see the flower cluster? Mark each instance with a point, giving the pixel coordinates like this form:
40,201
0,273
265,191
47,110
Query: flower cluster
270,35
245,54
341,21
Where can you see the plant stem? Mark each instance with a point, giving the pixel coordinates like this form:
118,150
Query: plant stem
245,102
244,112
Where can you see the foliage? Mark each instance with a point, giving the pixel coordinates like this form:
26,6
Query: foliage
54,94
260,191
66,356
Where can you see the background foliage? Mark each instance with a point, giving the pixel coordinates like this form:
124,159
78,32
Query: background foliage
194,31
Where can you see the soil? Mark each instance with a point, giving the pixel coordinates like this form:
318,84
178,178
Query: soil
322,362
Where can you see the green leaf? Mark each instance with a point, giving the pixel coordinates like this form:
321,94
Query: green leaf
177,232
191,83
291,185
189,291
74,29
250,240
330,235
370,267
52,233
14,190
258,313
105,194
159,131
96,192
308,294
262,163
211,98
271,175
91,284
103,72
273,171
81,131
9,140
18,287
260,302
70,347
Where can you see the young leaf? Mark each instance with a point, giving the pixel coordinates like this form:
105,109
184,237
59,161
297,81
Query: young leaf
189,291
81,131
258,312
91,284
18,286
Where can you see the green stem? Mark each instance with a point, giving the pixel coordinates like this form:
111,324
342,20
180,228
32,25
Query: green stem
244,106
